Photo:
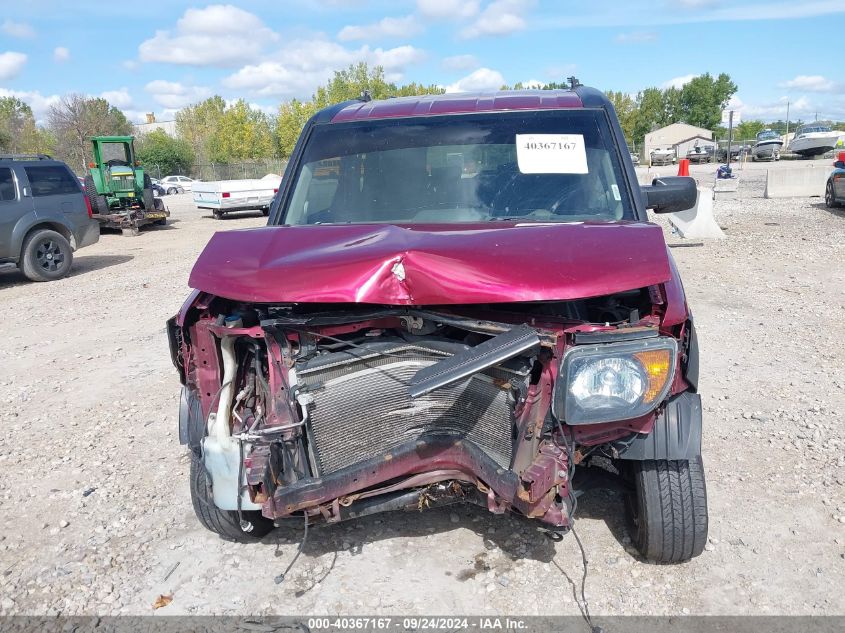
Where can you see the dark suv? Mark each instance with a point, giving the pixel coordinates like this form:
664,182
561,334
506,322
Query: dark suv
457,298
44,216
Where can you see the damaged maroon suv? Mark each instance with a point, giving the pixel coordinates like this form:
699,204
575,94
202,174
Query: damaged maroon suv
457,298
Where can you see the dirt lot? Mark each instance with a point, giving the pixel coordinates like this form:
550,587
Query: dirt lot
95,515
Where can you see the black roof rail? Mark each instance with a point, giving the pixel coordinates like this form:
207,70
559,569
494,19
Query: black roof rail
25,157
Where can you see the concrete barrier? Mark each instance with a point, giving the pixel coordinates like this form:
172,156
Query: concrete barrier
797,182
699,221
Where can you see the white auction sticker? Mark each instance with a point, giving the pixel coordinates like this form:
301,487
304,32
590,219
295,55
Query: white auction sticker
551,154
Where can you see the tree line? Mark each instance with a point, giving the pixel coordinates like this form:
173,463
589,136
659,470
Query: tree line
214,131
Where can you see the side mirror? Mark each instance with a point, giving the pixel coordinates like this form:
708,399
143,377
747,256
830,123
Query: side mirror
670,194
840,164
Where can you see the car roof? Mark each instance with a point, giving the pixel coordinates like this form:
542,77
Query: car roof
458,103
29,160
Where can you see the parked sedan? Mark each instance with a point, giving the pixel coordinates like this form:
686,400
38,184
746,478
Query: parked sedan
172,184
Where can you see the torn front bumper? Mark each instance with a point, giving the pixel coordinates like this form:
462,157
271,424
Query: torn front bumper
426,461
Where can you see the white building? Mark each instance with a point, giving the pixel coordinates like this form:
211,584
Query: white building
679,137
152,124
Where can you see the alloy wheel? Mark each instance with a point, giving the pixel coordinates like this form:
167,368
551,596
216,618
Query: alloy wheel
49,256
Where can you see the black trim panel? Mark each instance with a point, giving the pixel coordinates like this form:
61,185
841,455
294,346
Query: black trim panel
191,424
615,336
175,348
690,365
676,433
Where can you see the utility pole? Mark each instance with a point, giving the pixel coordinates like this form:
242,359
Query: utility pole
787,122
730,137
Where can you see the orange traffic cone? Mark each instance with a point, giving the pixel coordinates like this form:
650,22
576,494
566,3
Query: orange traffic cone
683,167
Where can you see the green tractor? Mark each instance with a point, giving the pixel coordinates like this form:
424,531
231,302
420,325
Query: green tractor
121,194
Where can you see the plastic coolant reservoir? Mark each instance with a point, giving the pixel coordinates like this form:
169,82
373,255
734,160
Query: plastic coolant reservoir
220,452
221,457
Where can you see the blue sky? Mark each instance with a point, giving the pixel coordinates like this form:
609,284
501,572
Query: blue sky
158,56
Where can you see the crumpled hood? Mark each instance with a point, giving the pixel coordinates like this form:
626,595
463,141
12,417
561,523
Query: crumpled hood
431,264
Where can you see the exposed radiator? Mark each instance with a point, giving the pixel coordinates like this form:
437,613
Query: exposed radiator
361,406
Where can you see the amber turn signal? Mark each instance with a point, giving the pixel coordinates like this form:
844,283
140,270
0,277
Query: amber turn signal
657,364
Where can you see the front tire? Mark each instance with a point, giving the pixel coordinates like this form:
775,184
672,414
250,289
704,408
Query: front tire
171,191
224,523
668,509
46,256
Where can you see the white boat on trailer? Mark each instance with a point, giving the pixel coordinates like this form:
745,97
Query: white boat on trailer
223,196
814,139
662,156
768,146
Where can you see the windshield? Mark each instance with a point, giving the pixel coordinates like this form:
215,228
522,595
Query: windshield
812,129
545,166
115,153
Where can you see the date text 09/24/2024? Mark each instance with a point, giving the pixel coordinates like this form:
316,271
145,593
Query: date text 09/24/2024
416,623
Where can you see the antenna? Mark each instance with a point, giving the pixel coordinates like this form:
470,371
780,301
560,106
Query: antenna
573,82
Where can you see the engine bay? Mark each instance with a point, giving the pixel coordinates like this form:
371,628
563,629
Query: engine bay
318,408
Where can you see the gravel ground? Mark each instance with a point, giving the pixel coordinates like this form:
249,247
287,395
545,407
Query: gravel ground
95,515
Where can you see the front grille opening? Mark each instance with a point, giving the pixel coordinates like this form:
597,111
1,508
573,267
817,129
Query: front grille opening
361,407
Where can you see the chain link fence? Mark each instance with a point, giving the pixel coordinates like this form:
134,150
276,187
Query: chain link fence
223,171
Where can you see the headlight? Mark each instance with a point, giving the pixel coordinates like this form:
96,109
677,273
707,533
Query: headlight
616,381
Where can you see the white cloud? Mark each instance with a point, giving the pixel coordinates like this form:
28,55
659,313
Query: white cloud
459,62
635,14
118,98
448,9
813,83
61,54
535,84
481,80
20,30
11,63
174,95
679,82
384,28
772,110
274,79
269,110
299,68
636,37
218,35
500,17
136,116
35,100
